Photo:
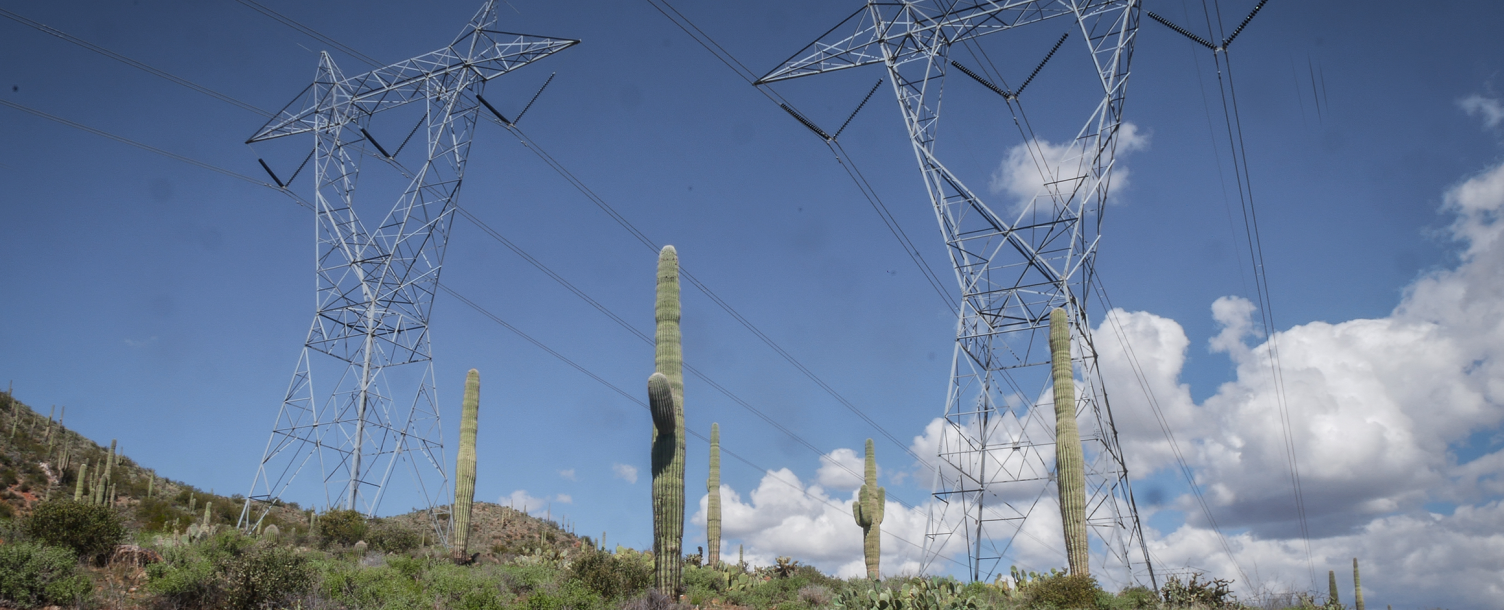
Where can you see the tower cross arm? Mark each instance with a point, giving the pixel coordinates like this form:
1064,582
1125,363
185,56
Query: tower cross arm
493,54
909,30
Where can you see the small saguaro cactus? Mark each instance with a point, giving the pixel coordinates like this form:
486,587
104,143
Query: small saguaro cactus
464,471
1357,587
713,503
1331,578
868,510
271,532
78,486
1070,479
666,394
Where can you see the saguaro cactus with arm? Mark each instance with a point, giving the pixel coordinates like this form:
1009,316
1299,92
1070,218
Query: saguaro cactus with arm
1070,478
668,429
464,469
868,510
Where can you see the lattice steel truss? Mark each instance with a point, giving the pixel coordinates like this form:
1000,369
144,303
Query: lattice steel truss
996,459
376,285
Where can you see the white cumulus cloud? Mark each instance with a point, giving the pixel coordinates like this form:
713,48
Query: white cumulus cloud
1487,108
1032,172
567,473
523,501
625,472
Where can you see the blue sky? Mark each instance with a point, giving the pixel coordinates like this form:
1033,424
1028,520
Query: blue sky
165,304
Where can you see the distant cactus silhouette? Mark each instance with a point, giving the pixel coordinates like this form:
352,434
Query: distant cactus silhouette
1070,479
868,510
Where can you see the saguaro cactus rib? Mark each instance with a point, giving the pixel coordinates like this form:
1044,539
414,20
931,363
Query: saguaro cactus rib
1069,461
464,470
868,510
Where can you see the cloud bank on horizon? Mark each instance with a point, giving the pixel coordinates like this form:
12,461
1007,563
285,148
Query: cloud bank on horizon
1396,423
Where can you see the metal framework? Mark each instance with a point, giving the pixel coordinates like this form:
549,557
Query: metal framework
996,458
376,285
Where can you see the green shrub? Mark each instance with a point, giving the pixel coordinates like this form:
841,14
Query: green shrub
88,529
264,575
572,595
229,570
1062,591
390,537
35,575
613,577
1135,598
340,527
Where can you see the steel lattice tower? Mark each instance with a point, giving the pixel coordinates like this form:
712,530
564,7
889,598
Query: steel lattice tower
996,458
376,285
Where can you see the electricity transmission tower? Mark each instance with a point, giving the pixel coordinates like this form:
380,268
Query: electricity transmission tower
369,339
1014,263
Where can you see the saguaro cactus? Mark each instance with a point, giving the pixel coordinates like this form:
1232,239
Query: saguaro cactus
1357,587
666,395
713,504
1070,479
78,486
1331,583
464,469
868,510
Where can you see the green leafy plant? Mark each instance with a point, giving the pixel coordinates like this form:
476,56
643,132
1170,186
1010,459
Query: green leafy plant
89,530
1062,590
34,575
611,576
340,527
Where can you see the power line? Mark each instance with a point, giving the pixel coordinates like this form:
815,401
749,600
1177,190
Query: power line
650,340
153,149
310,32
527,257
44,28
639,402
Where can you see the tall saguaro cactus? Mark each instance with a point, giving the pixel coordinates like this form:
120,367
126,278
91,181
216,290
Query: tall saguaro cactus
868,510
1357,587
1069,460
666,398
464,468
1331,584
713,504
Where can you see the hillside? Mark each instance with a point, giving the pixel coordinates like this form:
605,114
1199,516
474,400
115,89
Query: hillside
41,458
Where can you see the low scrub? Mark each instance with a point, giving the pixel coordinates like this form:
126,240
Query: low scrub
32,575
89,530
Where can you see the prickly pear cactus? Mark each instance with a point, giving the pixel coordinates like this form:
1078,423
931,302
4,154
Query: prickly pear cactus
868,510
1070,478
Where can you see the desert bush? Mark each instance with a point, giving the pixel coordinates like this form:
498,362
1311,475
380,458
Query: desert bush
612,577
1213,593
89,530
1134,598
389,537
1062,591
340,527
228,570
33,575
264,575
